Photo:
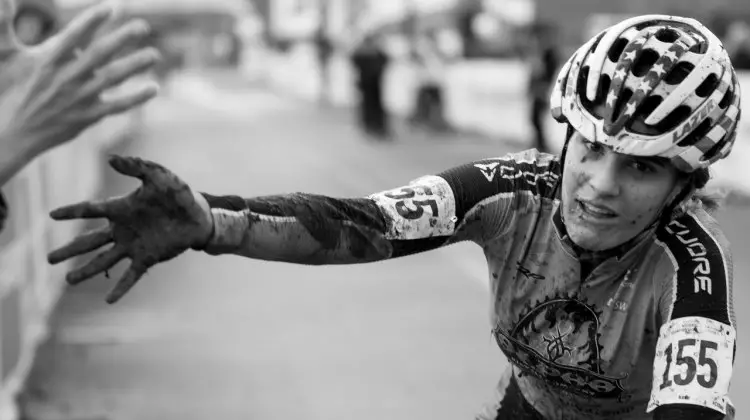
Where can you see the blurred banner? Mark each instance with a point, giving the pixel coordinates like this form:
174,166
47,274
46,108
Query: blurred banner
481,95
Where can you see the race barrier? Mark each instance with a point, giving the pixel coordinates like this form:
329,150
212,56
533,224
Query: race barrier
29,286
485,96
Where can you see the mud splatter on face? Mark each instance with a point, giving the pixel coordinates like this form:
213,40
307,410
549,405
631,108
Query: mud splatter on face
609,198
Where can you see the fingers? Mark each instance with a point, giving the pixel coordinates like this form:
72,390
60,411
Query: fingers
120,70
112,44
124,102
7,31
133,166
127,281
84,243
103,261
79,31
82,210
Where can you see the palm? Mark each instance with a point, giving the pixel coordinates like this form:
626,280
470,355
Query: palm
156,222
159,220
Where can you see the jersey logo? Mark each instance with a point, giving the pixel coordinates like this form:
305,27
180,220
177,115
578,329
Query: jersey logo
698,255
488,169
527,273
558,341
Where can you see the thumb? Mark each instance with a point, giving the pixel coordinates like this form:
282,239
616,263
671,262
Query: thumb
131,166
8,39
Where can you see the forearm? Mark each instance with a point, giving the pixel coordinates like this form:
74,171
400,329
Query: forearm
299,228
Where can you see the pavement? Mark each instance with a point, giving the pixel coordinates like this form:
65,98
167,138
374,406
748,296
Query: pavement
231,338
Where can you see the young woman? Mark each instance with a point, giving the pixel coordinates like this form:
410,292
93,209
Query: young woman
612,283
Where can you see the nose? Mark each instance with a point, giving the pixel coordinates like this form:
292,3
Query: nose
603,176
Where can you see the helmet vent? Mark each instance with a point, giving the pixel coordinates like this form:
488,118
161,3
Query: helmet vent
616,49
716,148
667,35
727,99
708,86
638,122
679,73
699,48
646,59
596,43
680,114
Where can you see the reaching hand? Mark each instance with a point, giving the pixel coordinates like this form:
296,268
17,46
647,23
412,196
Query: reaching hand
156,222
51,92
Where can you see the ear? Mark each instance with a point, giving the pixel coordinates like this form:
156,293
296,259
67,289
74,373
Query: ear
682,191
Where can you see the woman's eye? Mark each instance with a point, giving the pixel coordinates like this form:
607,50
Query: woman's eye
592,146
641,167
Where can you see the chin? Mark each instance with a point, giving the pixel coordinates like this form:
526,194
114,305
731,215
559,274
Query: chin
590,241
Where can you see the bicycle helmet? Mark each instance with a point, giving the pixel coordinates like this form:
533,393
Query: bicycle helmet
653,85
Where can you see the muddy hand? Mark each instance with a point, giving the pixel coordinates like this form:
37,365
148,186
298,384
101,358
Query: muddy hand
156,222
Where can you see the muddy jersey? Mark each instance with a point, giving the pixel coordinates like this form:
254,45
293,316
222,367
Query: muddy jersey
649,327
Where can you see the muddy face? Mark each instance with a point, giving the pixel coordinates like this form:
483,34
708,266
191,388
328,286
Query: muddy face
609,198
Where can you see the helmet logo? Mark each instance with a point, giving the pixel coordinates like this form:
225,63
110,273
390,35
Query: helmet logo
692,123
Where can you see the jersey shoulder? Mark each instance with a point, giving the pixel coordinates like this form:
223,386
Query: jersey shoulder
696,267
529,171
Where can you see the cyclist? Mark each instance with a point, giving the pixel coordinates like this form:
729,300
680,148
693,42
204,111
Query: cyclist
612,283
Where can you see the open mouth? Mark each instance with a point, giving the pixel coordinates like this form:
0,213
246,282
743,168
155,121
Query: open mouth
596,211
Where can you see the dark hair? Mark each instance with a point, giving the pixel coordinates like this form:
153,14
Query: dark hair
697,192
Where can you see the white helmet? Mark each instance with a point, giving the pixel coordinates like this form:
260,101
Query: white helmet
653,85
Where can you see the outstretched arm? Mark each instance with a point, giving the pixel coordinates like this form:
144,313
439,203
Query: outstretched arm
164,217
314,229
299,228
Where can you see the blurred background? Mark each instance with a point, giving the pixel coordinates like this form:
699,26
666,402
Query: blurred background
336,97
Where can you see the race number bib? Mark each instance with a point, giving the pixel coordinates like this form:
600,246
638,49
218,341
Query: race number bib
693,364
424,208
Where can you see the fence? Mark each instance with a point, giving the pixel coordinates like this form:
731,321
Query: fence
29,286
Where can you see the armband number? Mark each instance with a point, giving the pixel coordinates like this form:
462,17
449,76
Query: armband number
707,380
693,363
424,208
417,211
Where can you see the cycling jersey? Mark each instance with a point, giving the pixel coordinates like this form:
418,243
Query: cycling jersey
652,325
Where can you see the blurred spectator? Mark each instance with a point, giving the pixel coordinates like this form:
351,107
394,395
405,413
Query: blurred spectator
52,93
430,73
737,42
324,51
543,62
370,62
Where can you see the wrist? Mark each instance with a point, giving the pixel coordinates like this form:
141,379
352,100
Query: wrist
207,227
229,230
